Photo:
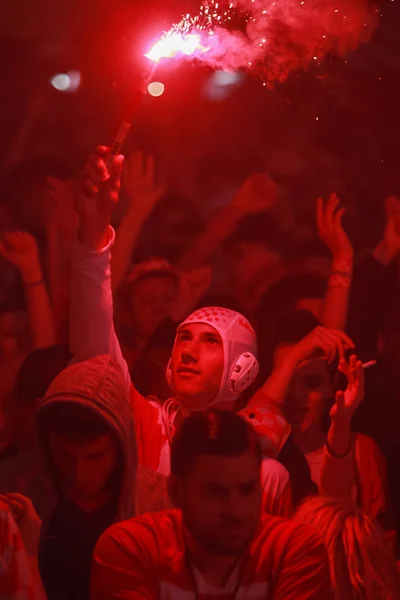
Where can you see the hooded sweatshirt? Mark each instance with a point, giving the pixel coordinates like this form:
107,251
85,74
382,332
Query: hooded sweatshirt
92,332
97,384
70,535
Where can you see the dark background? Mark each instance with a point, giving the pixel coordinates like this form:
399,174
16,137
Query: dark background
334,127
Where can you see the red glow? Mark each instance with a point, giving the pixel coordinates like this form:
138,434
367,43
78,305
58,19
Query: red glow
176,43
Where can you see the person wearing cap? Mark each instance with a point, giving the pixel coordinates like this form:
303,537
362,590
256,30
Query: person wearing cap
214,356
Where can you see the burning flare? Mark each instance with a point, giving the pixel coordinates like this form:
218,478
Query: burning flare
174,43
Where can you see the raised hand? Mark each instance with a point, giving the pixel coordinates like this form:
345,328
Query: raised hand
330,228
192,287
96,197
256,195
347,402
27,519
20,249
138,181
331,342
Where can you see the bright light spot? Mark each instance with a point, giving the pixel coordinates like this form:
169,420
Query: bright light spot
66,82
223,78
221,84
61,82
156,88
176,43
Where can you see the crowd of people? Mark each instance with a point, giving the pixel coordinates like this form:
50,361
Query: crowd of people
191,414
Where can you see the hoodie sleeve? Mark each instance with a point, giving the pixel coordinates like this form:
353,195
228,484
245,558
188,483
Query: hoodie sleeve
92,330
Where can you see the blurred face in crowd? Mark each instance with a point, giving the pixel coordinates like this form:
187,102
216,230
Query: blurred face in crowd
197,365
310,390
220,501
150,301
83,468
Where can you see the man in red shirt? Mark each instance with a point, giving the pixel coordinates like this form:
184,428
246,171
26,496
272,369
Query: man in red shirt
215,544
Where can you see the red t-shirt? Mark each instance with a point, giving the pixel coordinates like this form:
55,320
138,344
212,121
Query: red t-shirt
144,559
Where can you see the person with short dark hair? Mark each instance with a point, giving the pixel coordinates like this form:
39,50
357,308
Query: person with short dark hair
83,477
215,544
87,436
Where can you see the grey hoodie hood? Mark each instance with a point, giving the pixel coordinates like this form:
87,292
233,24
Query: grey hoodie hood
98,384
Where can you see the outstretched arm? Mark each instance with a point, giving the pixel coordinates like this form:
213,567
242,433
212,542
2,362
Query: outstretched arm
338,469
256,195
331,232
20,248
139,183
331,342
91,308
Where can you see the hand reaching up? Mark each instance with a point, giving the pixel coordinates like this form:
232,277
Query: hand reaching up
347,402
138,181
97,195
330,228
256,195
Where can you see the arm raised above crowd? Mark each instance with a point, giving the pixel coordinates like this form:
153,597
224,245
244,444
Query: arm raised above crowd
91,308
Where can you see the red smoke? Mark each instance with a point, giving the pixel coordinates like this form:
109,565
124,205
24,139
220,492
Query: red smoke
284,35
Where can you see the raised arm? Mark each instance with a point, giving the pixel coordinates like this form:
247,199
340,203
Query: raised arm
20,248
331,232
91,308
331,342
143,192
256,195
338,474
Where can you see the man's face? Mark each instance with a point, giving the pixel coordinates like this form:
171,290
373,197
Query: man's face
83,469
221,502
197,365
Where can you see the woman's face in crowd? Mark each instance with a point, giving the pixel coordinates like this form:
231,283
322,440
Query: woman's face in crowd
150,301
310,390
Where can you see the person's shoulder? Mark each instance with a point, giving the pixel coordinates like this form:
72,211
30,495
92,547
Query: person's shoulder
141,544
273,470
149,528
